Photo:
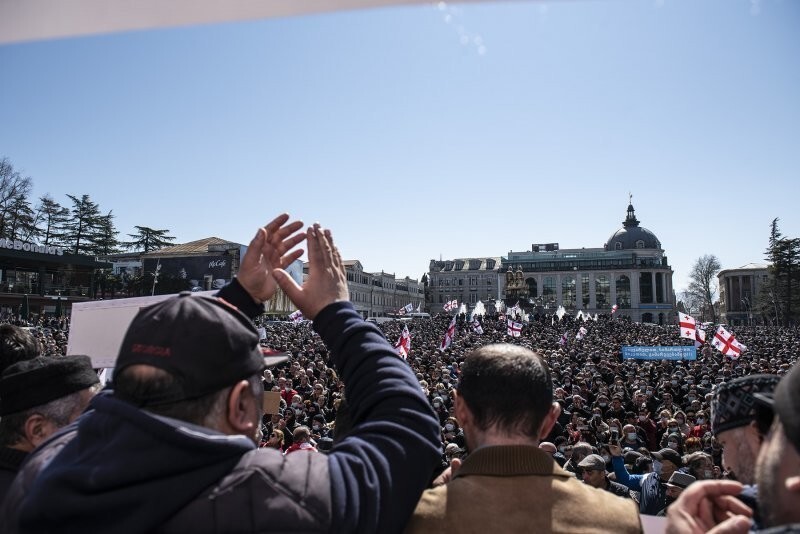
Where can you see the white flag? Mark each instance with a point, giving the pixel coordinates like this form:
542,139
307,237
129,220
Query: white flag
726,343
688,325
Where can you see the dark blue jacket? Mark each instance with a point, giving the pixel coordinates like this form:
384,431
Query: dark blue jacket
122,469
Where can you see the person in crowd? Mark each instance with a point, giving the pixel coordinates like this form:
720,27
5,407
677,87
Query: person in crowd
16,345
302,441
38,396
713,506
699,465
735,424
274,440
507,483
677,482
579,451
651,485
179,454
594,474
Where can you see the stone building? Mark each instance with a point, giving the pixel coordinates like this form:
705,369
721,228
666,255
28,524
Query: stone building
739,293
630,270
467,280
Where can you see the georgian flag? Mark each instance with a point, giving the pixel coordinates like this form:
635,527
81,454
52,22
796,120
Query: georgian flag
449,334
476,327
563,340
726,343
403,344
451,305
614,309
700,338
514,328
296,316
581,333
688,325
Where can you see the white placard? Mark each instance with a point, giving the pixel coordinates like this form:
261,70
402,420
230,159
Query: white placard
98,327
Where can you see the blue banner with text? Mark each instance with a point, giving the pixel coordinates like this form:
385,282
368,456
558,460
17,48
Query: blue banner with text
659,353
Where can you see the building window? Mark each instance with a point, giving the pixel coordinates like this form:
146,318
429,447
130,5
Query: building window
623,291
646,290
569,293
640,244
617,246
602,291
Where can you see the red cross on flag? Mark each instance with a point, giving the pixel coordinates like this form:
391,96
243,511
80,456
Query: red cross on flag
403,344
581,333
514,328
688,325
476,327
449,335
726,343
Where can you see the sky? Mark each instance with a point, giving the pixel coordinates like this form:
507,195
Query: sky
430,131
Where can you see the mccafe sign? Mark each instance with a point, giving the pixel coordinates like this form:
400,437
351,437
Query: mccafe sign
16,244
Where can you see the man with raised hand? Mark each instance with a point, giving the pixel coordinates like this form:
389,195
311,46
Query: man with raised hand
174,447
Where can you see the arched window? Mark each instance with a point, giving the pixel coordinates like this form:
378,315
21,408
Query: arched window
617,246
640,244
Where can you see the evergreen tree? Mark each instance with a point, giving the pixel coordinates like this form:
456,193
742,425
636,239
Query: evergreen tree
779,296
146,239
50,220
21,220
80,230
104,238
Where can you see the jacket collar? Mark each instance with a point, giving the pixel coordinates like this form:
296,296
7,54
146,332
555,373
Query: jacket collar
510,460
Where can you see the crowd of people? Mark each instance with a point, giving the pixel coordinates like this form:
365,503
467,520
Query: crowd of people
361,430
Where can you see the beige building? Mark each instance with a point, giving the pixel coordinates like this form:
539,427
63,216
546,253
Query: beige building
630,270
380,294
467,280
739,294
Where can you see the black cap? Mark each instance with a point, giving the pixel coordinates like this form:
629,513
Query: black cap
669,454
37,381
206,343
785,402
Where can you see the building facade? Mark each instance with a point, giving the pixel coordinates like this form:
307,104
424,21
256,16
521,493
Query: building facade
740,291
36,279
380,294
630,270
467,280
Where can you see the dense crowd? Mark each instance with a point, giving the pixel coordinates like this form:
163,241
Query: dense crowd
646,405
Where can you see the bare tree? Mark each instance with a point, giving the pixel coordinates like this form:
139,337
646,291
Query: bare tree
703,284
14,190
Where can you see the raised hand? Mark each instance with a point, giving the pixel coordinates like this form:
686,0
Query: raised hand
269,250
709,507
326,282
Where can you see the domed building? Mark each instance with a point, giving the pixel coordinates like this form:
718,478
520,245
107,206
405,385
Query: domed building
630,270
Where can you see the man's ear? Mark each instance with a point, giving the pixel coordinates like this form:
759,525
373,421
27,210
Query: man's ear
240,409
549,420
462,412
37,428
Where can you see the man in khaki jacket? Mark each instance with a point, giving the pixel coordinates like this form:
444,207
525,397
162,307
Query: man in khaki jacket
507,484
